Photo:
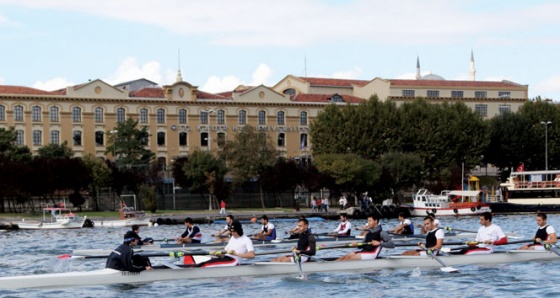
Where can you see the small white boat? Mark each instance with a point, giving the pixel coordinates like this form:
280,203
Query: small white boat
128,217
54,218
456,202
177,272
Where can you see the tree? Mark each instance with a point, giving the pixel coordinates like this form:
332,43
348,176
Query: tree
127,144
205,172
404,169
52,151
100,174
249,155
148,196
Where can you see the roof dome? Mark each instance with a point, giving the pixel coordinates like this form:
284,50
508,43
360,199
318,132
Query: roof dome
432,77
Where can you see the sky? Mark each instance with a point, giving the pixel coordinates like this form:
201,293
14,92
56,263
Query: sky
218,45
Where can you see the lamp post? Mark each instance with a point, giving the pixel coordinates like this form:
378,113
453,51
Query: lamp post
546,143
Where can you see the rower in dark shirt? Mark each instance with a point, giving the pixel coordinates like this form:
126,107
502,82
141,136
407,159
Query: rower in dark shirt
306,246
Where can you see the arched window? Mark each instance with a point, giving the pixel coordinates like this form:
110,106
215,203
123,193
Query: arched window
290,91
221,117
160,115
99,138
98,115
281,140
303,141
2,113
303,118
281,118
143,115
77,138
37,138
121,115
36,114
262,117
20,137
203,117
54,114
242,119
18,113
183,139
204,141
55,137
182,116
77,114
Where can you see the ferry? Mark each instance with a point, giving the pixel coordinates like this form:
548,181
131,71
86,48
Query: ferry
455,202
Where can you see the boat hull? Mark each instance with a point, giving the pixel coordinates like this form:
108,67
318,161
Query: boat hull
418,211
110,276
33,225
524,208
119,223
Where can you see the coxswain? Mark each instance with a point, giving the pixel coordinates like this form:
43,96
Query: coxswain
434,240
124,259
306,246
192,233
545,234
373,241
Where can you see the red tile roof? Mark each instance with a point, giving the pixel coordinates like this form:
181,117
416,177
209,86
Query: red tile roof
322,98
5,89
206,95
149,92
333,82
445,83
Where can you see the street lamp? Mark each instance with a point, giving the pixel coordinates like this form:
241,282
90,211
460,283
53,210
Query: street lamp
546,143
114,132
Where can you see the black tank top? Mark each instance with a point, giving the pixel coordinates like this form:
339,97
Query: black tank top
541,234
431,239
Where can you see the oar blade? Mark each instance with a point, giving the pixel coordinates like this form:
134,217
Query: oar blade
449,270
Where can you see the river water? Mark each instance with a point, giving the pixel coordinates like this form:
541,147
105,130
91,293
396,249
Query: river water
25,252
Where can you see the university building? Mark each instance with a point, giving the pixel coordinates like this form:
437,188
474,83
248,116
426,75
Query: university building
181,118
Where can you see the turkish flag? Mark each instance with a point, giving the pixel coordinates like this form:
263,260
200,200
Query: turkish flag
521,167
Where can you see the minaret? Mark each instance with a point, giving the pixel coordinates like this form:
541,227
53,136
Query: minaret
179,77
473,70
418,76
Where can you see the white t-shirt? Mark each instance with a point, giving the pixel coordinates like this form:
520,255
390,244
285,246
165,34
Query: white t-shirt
491,232
436,222
406,222
439,234
269,225
343,228
241,245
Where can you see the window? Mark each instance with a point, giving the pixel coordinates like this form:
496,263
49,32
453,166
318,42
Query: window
457,94
77,138
504,94
98,115
18,113
290,91
99,136
54,114
281,118
221,139
408,93
19,137
121,115
482,110
77,114
337,98
182,116
36,114
37,138
203,117
281,140
504,109
2,113
55,137
303,118
143,115
204,139
221,117
262,117
433,93
182,139
242,119
480,94
160,116
303,141
161,138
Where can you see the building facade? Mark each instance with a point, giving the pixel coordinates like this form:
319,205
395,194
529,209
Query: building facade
180,118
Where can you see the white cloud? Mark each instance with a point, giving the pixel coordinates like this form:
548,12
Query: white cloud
548,88
262,75
216,84
53,84
130,69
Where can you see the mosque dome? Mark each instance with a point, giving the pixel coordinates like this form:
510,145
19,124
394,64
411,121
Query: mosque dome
432,77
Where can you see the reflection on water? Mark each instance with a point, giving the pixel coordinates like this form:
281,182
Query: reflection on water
25,252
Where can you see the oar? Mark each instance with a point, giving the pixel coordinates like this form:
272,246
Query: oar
459,230
550,247
297,260
445,268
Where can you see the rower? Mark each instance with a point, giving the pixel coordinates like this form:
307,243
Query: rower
487,237
267,232
225,234
135,229
344,228
191,235
545,235
294,233
436,222
238,248
434,240
405,226
373,241
124,259
305,246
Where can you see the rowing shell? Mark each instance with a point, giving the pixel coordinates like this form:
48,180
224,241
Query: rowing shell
111,276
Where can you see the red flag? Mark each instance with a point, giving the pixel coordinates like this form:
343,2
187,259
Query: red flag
521,167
